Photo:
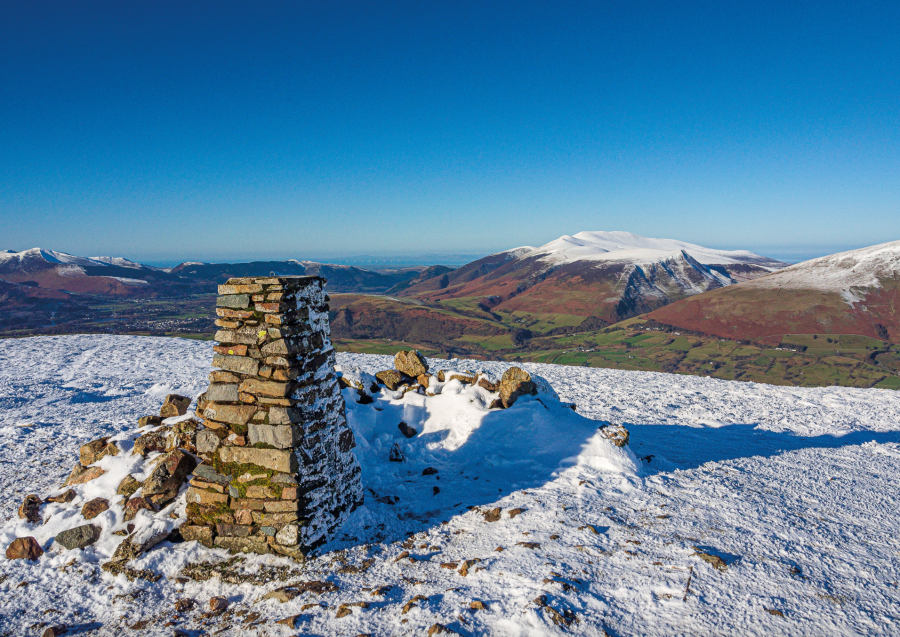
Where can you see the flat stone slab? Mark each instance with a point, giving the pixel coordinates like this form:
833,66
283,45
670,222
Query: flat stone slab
276,459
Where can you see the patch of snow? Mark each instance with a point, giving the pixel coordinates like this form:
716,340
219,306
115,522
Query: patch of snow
71,270
128,281
118,261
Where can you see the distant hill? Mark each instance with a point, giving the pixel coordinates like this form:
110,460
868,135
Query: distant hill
341,278
120,277
855,292
589,279
28,306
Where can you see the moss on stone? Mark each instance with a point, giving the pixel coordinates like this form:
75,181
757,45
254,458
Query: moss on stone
236,470
209,515
240,430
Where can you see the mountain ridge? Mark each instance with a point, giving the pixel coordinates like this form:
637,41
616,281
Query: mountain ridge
608,276
852,292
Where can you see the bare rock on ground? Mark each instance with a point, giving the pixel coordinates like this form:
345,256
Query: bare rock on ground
515,382
411,363
174,405
31,509
24,548
79,537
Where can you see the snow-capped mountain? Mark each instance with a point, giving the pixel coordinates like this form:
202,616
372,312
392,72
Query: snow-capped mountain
600,275
850,274
39,259
854,292
52,270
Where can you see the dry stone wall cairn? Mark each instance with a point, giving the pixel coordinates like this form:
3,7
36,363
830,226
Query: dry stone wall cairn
278,474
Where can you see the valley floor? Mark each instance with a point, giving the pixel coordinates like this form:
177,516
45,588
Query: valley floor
742,509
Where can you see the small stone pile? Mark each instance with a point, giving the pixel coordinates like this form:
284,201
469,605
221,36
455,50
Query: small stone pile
410,373
278,474
172,447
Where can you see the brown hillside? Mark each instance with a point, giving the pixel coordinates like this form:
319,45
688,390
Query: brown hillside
766,314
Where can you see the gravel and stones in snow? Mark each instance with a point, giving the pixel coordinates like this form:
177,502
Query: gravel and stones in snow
739,509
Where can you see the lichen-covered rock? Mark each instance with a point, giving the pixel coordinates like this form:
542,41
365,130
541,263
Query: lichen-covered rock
202,534
276,459
392,379
133,546
466,378
208,473
81,474
149,421
174,406
171,471
288,535
202,400
128,486
95,507
79,537
183,435
30,509
96,449
515,382
152,441
411,363
488,384
24,548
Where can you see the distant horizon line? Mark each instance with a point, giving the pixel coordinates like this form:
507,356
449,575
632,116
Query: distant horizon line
458,259
786,254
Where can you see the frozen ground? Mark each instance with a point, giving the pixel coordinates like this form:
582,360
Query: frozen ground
795,490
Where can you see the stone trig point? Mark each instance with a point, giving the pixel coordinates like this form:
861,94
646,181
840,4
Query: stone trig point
278,474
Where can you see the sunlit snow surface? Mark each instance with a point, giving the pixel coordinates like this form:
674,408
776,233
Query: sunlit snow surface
795,489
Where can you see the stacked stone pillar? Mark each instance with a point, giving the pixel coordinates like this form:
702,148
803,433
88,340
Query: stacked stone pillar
278,474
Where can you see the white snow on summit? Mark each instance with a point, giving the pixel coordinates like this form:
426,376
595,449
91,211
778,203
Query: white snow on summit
847,273
50,256
631,248
8,257
118,261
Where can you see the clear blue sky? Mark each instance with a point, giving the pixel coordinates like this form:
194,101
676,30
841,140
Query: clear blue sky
225,131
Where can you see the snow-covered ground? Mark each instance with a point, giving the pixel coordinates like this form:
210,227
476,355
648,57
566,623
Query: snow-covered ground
795,490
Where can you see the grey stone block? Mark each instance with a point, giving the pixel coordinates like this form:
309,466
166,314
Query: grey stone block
236,301
207,442
222,393
275,459
281,436
239,364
